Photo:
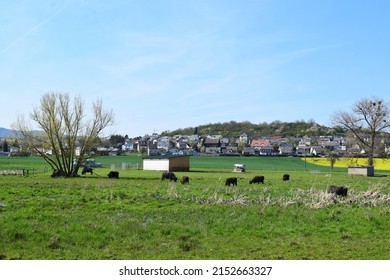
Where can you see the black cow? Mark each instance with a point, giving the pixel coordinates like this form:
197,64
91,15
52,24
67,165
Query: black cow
286,177
185,180
338,190
56,173
87,169
169,175
232,180
257,180
113,174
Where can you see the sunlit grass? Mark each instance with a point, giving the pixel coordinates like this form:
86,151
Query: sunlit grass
138,216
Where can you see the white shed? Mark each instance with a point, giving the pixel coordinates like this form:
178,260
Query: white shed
167,163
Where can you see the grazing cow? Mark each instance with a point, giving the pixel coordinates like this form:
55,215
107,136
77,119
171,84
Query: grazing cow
87,170
232,180
286,177
185,180
257,180
169,175
113,174
338,190
56,173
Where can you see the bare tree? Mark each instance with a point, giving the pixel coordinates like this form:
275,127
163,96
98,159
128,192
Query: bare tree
61,128
369,119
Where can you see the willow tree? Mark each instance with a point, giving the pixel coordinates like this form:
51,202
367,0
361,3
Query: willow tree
61,127
368,121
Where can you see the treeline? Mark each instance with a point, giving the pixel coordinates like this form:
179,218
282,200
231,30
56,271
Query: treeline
275,128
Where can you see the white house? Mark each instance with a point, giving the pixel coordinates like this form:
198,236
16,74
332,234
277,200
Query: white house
128,146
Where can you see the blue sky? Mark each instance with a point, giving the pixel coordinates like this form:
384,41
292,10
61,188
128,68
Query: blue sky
167,64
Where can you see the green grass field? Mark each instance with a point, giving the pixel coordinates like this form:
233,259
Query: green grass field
138,216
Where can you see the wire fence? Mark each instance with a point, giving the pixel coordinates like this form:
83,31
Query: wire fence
16,172
27,172
125,166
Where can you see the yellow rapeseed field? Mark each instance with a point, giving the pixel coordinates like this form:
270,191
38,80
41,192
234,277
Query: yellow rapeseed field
379,163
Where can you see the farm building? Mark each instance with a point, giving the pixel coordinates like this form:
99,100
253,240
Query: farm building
167,163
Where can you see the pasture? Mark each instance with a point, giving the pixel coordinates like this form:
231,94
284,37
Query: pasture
139,216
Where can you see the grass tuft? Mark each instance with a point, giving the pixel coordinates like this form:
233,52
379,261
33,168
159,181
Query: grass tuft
54,242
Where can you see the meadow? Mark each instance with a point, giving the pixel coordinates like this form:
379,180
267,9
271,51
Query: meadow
138,216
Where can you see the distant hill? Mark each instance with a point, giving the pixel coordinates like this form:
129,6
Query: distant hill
10,133
5,132
235,129
276,128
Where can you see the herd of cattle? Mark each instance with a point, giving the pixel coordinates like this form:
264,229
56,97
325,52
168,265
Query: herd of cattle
86,169
337,190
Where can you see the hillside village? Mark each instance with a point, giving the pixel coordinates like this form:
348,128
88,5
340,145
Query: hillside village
218,145
232,138
221,145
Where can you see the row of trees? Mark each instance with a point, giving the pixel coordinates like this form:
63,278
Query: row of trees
276,128
64,125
